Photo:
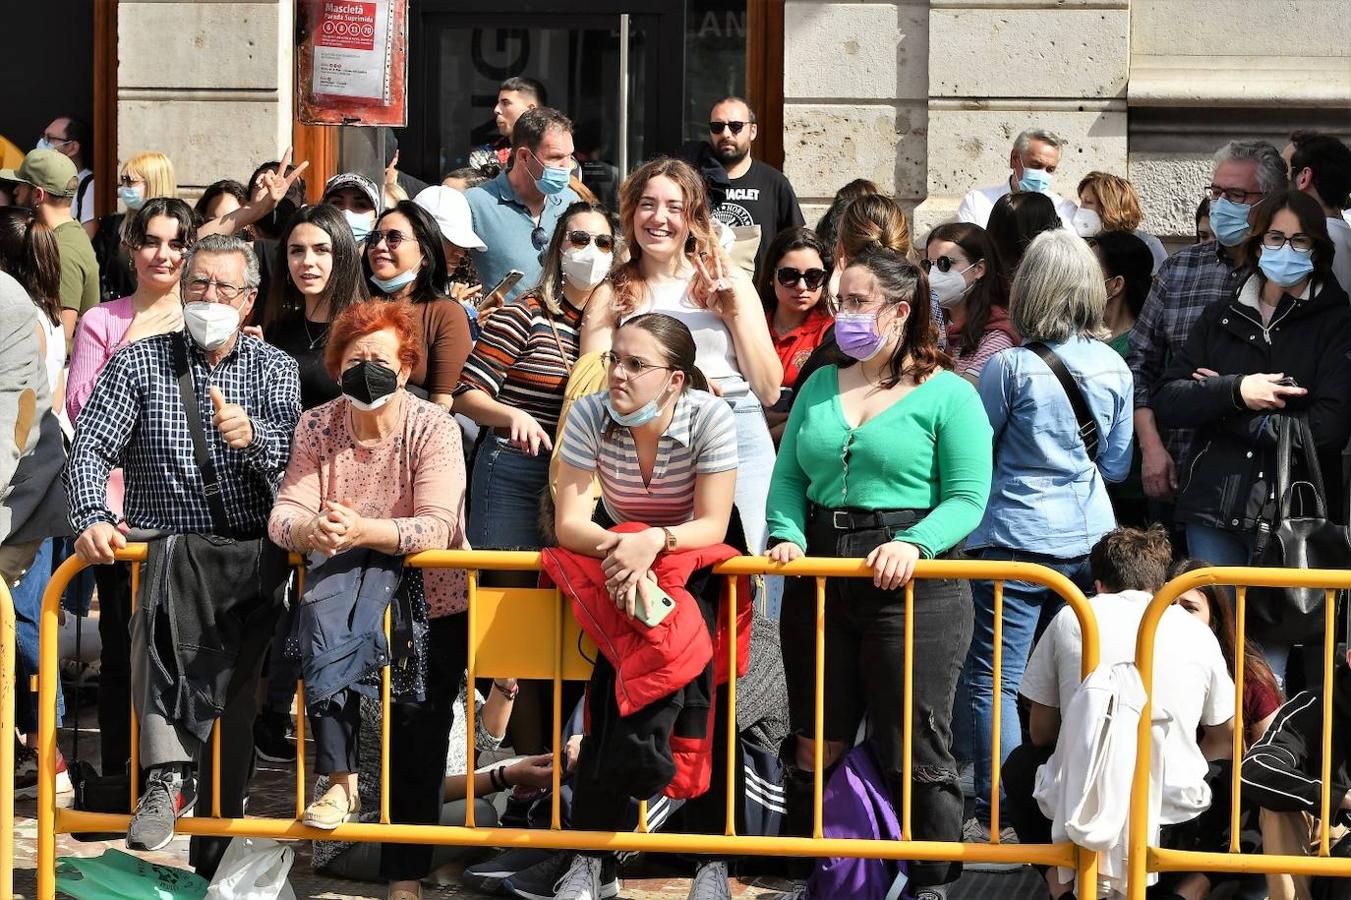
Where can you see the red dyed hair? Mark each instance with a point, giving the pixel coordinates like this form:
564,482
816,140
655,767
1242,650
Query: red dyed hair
368,317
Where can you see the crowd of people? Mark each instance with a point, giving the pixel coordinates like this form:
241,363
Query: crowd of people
501,362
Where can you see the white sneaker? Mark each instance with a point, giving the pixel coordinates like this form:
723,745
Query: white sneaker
710,883
581,881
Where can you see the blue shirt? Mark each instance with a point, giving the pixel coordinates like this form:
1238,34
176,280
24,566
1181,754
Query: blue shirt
1047,496
502,221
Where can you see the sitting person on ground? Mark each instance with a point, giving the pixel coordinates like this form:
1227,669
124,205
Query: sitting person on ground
1191,685
666,453
1283,775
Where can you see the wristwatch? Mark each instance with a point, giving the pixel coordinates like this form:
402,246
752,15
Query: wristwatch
670,538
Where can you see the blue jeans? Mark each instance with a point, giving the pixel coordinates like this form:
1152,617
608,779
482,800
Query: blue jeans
505,491
755,465
1028,609
27,596
1221,547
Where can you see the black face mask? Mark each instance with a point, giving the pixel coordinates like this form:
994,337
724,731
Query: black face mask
369,385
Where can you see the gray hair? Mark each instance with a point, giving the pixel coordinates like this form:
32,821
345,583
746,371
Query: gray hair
1058,291
1272,172
225,243
1027,136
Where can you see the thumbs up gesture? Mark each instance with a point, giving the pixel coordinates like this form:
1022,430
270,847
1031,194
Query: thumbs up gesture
231,421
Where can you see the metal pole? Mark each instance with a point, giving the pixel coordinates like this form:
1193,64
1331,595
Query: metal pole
623,95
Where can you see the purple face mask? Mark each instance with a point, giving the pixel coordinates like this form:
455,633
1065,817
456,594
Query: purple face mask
856,333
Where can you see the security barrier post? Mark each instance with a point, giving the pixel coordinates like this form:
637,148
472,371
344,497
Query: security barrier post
8,691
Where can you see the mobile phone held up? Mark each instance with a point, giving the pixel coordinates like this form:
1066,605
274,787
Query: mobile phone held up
498,295
660,605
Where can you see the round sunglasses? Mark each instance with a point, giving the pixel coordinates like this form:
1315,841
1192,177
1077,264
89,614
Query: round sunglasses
393,238
734,127
579,239
789,276
942,264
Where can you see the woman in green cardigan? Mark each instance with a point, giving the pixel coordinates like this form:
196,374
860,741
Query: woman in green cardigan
887,457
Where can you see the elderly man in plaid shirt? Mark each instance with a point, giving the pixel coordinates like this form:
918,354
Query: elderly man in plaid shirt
1245,171
213,577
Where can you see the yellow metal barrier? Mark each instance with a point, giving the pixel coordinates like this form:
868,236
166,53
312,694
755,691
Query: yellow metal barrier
8,668
529,633
1145,859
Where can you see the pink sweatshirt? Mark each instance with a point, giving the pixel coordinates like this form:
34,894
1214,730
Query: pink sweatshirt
101,333
415,476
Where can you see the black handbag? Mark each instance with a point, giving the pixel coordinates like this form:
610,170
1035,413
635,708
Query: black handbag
1289,539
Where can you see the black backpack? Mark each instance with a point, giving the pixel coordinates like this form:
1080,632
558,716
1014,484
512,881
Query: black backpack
116,276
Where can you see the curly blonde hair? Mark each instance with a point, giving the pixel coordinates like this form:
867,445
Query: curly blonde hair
629,284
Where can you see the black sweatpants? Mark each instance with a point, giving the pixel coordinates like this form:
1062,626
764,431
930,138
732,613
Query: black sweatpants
114,690
419,736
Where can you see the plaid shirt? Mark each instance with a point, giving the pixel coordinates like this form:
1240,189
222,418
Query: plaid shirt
135,419
1186,284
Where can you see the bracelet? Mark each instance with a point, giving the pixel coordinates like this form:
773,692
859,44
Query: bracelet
510,695
498,778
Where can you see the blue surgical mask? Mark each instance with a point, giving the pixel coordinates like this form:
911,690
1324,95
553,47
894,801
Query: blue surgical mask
44,144
360,223
1286,266
132,196
390,285
640,416
1229,221
1036,181
552,179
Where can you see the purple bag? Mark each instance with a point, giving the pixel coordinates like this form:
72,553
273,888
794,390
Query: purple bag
855,804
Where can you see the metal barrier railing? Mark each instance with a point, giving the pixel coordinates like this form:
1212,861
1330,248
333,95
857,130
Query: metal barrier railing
8,689
1144,859
539,639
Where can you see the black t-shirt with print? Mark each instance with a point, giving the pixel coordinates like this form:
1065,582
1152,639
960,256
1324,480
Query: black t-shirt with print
761,197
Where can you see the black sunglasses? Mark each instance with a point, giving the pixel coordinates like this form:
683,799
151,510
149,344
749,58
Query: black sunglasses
579,239
392,237
538,238
943,263
789,277
734,127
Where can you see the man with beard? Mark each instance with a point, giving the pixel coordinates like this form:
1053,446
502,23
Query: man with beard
759,195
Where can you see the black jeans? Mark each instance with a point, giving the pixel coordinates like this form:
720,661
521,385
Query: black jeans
114,690
335,732
1020,778
419,736
865,674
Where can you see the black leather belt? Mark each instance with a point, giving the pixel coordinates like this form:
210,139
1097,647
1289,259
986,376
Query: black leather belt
861,520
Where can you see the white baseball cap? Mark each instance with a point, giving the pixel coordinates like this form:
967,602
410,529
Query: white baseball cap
451,212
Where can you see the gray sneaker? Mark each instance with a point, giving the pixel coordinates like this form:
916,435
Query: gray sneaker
581,881
541,881
168,795
710,883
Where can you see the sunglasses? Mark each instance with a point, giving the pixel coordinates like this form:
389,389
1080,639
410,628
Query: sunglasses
579,239
789,277
393,238
538,238
734,127
942,264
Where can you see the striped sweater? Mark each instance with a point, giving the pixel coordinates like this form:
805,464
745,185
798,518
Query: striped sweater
517,358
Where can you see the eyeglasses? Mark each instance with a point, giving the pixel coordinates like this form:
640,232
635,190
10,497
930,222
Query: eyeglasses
579,239
1233,195
197,287
854,303
789,277
55,140
392,238
538,238
633,366
734,127
942,264
1275,240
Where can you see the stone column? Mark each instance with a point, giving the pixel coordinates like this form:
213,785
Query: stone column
999,66
855,96
208,84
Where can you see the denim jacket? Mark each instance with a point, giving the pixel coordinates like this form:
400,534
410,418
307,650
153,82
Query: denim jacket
1047,496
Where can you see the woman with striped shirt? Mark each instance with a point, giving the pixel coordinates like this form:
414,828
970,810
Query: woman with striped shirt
513,380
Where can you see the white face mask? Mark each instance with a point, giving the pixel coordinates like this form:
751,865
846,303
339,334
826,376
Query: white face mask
210,324
949,287
1087,223
587,267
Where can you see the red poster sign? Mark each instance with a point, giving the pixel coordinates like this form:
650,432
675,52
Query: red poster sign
352,62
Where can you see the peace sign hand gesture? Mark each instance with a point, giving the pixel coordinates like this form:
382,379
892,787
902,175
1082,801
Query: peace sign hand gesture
720,285
272,187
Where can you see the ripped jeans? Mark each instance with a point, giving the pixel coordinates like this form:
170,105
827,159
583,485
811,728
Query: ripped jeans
865,675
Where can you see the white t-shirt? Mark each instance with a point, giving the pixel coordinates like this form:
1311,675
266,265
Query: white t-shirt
1340,232
714,348
82,207
1191,680
978,203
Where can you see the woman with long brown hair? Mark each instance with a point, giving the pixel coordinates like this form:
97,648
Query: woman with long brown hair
676,267
914,482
